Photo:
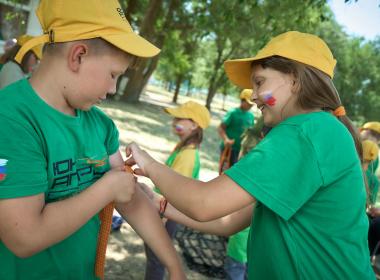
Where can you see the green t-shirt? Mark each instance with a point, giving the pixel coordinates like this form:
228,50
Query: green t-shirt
309,221
236,121
237,246
373,181
46,151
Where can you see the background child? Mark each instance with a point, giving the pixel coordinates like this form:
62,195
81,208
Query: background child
11,70
302,193
234,123
370,154
59,155
189,121
235,265
371,131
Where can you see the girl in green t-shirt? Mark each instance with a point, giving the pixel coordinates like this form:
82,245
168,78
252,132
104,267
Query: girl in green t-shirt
301,189
189,120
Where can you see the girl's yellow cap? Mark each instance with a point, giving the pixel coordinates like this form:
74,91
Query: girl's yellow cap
193,111
302,47
370,150
71,20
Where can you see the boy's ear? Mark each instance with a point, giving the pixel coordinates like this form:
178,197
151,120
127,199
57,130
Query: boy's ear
76,54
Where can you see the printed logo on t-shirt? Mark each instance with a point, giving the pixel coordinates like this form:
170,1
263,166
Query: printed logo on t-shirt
71,176
3,168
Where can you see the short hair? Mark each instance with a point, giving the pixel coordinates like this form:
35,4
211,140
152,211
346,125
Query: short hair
97,46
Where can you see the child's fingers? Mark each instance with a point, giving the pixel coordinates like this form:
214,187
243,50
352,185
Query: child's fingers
139,171
130,161
131,149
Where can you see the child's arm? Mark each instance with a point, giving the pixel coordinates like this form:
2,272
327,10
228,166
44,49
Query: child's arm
202,201
224,226
144,219
28,225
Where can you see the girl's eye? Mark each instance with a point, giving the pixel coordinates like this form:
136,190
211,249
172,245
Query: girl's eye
258,83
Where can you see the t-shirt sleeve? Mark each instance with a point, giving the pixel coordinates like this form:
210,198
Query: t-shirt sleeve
22,160
112,133
184,162
227,118
282,172
112,139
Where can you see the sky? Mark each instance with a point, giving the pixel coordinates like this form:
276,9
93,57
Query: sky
360,18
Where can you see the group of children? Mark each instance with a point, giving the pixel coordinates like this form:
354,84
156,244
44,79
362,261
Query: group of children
300,191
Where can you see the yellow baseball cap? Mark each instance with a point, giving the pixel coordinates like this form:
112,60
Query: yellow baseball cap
25,38
246,94
370,150
71,20
375,126
191,110
302,47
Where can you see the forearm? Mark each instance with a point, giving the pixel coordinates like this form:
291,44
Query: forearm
144,219
173,185
53,222
222,133
224,226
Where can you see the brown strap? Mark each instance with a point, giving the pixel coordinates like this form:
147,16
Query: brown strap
225,157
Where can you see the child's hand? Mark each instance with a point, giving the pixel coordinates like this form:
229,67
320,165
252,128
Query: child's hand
139,157
123,184
374,212
228,142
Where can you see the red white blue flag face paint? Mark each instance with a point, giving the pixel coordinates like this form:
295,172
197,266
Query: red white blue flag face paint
268,98
3,168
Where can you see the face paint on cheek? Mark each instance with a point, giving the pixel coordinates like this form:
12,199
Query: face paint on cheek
178,128
268,98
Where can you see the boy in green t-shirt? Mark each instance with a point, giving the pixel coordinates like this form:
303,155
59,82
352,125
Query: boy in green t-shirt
234,123
59,155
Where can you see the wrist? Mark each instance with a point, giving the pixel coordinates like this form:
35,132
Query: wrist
163,204
148,167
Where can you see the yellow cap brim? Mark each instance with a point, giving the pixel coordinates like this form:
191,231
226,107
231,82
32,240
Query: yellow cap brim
38,51
239,71
177,113
133,44
248,101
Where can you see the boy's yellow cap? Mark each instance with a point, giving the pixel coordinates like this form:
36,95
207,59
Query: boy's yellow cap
71,20
25,38
375,126
370,150
302,47
191,110
246,94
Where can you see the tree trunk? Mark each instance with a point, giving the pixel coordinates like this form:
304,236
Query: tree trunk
139,77
131,7
188,93
177,88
